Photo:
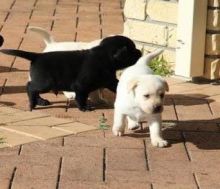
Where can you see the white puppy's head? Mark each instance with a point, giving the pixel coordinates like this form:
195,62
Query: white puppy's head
149,91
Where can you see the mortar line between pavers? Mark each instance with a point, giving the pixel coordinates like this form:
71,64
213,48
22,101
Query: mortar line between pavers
146,156
196,181
185,147
20,149
59,173
54,12
30,16
100,20
210,108
9,11
175,110
12,178
13,61
61,124
24,119
60,129
3,86
104,165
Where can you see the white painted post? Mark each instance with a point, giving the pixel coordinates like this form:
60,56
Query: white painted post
191,35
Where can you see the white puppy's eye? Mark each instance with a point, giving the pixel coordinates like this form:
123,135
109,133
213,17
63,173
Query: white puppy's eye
162,95
147,96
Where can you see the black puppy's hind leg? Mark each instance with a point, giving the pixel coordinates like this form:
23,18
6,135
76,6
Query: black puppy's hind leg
81,100
32,96
42,102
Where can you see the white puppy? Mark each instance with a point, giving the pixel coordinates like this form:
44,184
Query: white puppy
140,96
52,45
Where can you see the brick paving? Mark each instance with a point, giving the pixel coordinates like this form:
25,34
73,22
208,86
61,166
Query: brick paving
96,159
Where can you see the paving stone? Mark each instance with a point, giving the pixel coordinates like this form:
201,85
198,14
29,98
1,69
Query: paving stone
13,139
6,110
42,121
192,110
175,186
10,151
6,171
208,180
27,183
21,117
124,142
170,177
43,148
84,141
84,166
68,184
128,176
95,133
75,127
167,154
205,161
39,132
4,183
128,185
126,159
169,111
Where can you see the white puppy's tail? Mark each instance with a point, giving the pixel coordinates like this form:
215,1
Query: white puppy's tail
48,39
148,57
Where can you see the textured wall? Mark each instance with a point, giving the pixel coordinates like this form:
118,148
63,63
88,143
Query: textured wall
152,24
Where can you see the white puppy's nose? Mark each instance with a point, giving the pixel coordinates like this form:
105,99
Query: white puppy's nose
157,109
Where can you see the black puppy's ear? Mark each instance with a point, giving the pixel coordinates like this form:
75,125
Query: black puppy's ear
121,53
1,40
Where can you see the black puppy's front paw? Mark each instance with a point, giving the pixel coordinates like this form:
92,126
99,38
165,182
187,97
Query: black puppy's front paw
43,102
87,108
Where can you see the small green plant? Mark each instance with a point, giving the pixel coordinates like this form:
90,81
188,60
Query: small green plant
103,122
2,140
161,67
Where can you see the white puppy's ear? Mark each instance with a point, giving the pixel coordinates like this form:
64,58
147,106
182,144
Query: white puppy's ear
165,84
132,84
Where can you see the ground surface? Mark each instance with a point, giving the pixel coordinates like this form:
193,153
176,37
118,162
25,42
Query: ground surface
95,159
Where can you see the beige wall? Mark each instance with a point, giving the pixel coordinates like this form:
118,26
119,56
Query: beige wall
152,24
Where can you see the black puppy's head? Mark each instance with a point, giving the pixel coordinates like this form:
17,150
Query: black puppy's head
122,51
1,40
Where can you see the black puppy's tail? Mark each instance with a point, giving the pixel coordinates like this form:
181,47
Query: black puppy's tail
23,54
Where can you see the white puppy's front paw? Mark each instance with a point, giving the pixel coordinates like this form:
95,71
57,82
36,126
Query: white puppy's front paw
117,132
159,142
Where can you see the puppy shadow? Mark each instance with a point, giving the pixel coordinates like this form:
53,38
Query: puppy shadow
138,133
13,89
199,134
7,103
187,99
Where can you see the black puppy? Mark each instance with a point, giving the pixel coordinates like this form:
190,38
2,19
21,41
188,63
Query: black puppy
80,71
1,40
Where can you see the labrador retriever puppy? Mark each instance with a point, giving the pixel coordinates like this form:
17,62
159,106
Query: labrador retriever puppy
52,45
140,96
79,71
